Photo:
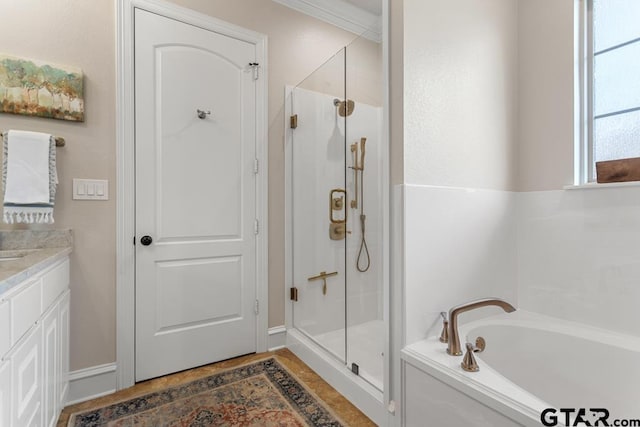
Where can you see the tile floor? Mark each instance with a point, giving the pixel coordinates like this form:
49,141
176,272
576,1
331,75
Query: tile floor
341,406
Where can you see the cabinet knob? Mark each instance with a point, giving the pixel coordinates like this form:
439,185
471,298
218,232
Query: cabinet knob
146,240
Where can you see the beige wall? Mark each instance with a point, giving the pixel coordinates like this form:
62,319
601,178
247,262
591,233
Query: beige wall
79,33
362,60
460,93
82,33
488,93
546,92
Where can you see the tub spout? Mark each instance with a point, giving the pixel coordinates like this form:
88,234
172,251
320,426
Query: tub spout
454,340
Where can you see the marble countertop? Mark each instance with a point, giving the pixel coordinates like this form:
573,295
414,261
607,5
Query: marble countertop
24,253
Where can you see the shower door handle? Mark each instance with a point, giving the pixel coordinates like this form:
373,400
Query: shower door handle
323,276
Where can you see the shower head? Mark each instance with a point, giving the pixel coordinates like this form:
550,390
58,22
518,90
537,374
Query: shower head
345,108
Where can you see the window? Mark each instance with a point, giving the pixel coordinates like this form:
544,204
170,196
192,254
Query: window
613,81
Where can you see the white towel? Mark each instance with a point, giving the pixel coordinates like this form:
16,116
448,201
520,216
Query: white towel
29,177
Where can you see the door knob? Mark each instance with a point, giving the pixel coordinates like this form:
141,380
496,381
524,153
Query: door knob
146,240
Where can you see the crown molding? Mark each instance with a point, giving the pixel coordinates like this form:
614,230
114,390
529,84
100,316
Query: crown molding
341,14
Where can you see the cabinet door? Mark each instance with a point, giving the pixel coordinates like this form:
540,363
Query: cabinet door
50,367
63,358
26,374
5,393
5,328
26,308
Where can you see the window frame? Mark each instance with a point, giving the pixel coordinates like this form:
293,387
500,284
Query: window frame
585,172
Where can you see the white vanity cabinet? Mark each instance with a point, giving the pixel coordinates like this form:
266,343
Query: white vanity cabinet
34,348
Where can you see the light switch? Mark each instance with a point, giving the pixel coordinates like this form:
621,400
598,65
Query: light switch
90,189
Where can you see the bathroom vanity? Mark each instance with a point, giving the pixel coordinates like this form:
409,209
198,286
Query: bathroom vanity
34,326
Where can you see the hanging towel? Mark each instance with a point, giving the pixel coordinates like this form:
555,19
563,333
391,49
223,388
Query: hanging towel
29,177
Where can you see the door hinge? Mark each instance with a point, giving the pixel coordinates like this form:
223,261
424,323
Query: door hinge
256,309
293,121
256,165
256,227
293,295
256,70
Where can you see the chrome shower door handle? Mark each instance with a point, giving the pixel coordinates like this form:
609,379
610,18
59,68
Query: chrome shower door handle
203,114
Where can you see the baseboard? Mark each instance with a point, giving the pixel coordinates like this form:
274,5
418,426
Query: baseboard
277,338
89,383
96,381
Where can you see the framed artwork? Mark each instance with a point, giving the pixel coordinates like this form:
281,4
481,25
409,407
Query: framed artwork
41,89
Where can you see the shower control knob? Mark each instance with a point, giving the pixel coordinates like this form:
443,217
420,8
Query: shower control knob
146,240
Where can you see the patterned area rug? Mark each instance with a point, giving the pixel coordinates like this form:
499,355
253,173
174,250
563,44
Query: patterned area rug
262,393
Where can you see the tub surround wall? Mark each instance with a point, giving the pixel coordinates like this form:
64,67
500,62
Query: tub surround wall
579,258
459,245
571,254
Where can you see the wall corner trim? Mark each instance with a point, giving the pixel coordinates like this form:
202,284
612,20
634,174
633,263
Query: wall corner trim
90,383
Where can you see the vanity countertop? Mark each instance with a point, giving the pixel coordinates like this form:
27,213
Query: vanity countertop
24,253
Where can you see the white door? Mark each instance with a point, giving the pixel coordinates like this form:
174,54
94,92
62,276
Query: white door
195,196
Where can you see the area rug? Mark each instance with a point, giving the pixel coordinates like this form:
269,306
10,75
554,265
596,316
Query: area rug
262,393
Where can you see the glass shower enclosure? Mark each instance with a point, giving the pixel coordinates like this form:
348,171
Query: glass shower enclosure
335,209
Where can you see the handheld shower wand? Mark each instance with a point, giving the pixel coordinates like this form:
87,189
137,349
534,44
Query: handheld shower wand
364,250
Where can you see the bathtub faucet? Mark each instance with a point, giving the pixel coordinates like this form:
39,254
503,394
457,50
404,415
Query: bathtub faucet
454,340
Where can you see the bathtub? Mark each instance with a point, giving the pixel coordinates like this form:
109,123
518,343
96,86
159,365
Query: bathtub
533,362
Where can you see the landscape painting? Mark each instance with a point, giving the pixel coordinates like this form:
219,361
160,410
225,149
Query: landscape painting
35,88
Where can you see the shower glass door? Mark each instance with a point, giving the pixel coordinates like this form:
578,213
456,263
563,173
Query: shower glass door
320,206
365,330
336,209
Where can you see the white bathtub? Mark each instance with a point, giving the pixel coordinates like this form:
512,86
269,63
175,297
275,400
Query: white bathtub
533,362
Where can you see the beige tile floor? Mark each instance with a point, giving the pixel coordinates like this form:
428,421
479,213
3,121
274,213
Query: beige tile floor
334,400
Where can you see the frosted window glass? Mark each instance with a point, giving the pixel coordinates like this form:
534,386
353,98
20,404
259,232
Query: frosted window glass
617,137
615,22
616,79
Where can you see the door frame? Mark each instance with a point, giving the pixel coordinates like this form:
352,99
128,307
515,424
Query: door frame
125,172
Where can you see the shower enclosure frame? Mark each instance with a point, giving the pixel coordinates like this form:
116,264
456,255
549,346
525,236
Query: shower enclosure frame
376,404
